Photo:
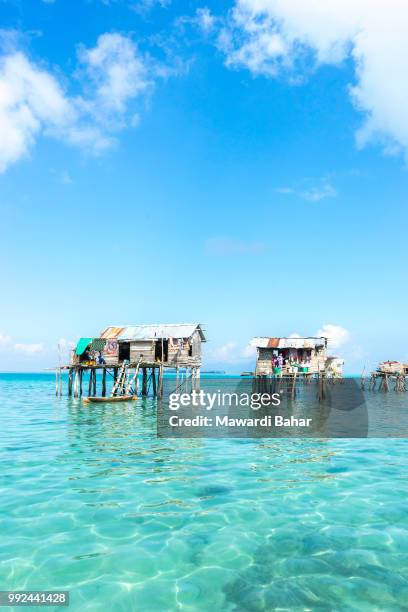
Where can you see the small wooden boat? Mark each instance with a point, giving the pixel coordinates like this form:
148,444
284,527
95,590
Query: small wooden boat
115,398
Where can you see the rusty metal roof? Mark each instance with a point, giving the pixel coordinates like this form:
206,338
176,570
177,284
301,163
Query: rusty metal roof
151,332
111,332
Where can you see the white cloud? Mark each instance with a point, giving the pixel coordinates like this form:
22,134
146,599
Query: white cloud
271,36
337,335
29,349
205,19
117,71
320,192
232,353
224,353
145,6
31,101
230,246
249,351
4,340
113,76
7,343
312,193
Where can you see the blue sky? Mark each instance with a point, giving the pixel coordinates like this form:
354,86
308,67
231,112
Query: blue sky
240,166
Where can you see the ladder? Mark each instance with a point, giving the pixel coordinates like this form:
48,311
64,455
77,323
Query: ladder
133,380
121,379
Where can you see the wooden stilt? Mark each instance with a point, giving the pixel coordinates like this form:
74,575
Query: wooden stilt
90,383
154,382
70,382
144,382
294,385
104,382
94,383
80,382
160,384
76,383
137,379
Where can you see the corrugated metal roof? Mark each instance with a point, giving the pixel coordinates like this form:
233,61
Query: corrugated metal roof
111,332
295,342
150,332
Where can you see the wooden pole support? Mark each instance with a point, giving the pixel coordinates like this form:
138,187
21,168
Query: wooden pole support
104,382
70,382
90,383
144,382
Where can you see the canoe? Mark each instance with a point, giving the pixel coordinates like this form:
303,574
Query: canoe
116,398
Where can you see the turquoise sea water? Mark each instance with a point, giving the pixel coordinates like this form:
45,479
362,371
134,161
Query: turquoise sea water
93,502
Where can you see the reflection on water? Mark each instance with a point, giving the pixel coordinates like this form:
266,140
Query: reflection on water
93,502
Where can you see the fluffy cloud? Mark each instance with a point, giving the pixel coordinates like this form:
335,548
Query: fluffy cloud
232,353
8,344
337,335
113,74
29,349
31,100
274,36
205,20
117,72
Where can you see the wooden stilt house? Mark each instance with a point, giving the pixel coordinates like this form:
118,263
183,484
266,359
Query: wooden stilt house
173,345
290,355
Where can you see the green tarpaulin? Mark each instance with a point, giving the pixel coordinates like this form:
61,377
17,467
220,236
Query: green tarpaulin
98,344
82,345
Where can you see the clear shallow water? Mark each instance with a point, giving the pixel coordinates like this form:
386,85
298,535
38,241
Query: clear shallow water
93,502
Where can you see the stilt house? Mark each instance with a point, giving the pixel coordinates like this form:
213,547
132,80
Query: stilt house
174,345
303,355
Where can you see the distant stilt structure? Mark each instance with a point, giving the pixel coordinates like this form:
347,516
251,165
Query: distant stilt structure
388,373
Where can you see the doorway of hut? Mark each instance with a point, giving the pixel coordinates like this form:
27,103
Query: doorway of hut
124,351
158,354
